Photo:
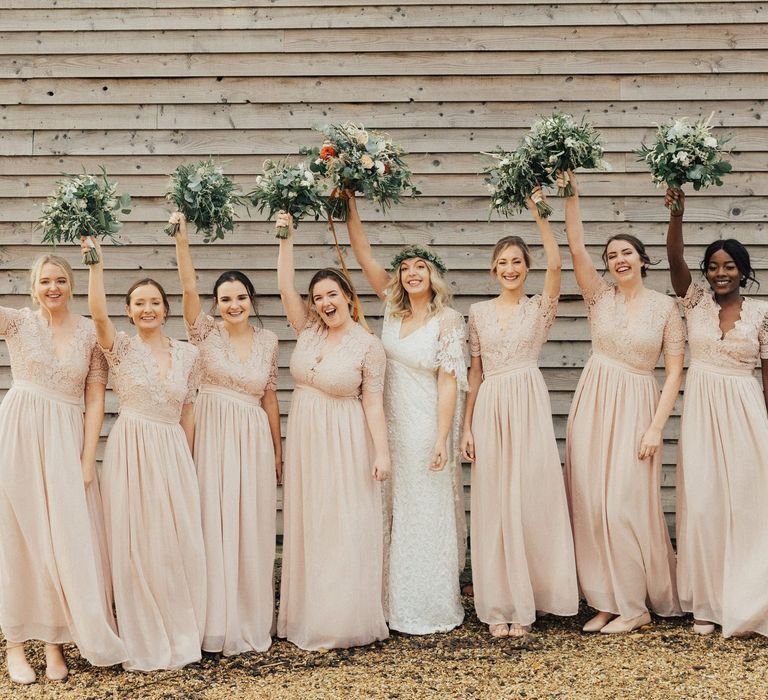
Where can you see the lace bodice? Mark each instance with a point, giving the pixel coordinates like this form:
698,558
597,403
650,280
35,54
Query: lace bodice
637,345
220,364
350,369
521,340
30,344
741,347
438,344
136,377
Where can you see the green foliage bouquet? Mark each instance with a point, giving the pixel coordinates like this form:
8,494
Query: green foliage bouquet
363,161
291,188
684,152
83,205
561,144
206,197
513,178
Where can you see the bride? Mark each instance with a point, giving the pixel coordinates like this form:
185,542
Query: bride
425,529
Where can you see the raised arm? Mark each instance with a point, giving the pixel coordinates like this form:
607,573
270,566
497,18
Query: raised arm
551,250
97,298
587,276
293,304
190,303
678,268
374,272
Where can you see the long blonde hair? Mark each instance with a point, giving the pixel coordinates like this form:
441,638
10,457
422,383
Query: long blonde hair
37,268
400,303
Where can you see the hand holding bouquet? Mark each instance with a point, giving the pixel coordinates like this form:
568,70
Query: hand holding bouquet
206,197
293,189
561,144
83,206
362,161
684,152
514,178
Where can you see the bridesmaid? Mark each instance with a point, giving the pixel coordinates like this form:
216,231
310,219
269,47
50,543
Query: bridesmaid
151,501
54,582
722,470
424,339
238,457
522,548
336,453
624,557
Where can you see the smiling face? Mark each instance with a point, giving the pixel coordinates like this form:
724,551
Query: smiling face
623,261
233,302
510,268
415,277
331,303
146,308
52,288
723,274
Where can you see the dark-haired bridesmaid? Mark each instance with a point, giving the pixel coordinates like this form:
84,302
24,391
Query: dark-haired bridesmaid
150,492
624,558
722,469
238,456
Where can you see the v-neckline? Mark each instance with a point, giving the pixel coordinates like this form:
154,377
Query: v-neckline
516,309
722,335
233,349
324,351
163,378
414,331
70,346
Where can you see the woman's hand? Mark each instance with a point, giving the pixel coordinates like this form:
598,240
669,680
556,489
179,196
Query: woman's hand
382,468
568,177
88,243
468,445
279,469
439,456
89,471
649,443
674,200
178,219
284,220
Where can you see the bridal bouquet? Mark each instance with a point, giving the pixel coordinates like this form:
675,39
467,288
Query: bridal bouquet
561,144
513,178
363,161
206,197
83,205
290,188
684,152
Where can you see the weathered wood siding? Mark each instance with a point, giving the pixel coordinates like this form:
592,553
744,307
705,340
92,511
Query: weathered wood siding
140,85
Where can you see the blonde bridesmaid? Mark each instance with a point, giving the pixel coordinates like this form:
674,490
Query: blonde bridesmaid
624,557
336,453
238,456
522,549
722,469
54,583
151,501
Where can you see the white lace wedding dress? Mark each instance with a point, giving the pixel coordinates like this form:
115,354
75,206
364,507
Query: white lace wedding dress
425,530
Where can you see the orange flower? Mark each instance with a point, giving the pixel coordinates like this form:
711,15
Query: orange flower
327,152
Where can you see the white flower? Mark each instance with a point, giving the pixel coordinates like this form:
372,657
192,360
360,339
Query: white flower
309,176
380,169
570,142
681,157
362,138
710,142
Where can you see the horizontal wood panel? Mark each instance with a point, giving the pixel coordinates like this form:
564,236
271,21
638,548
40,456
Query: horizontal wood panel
339,40
618,62
383,16
741,86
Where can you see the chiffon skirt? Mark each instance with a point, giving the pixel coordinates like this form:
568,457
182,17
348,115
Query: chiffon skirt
54,583
235,462
624,556
722,487
331,585
522,549
152,514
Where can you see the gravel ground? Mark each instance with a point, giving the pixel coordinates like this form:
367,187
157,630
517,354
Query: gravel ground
662,661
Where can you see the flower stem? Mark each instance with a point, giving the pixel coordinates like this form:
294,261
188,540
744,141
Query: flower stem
281,232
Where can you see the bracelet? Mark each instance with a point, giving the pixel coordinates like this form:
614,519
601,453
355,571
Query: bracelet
676,216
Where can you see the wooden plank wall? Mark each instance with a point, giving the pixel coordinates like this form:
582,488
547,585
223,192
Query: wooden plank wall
140,85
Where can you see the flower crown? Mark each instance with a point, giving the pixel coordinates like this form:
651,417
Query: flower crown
416,251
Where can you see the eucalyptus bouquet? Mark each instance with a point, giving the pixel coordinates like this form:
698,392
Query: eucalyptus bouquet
684,152
206,197
83,205
561,144
363,161
291,188
513,178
